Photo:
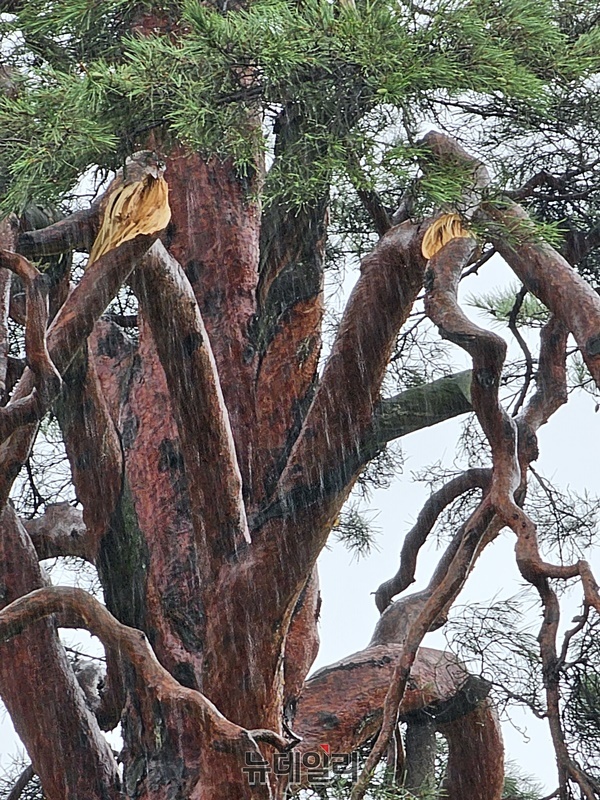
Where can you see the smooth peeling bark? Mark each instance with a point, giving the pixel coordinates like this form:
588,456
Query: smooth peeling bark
342,705
5,281
207,446
8,239
345,400
114,355
52,717
214,235
391,277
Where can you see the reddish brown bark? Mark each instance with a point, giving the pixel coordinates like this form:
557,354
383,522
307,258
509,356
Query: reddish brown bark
215,237
342,706
542,270
475,766
195,396
55,703
214,417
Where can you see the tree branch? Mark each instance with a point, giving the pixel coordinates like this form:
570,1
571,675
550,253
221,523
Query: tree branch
420,407
416,537
47,378
75,232
153,682
487,351
60,531
37,659
8,237
69,330
203,423
342,411
93,447
551,279
541,269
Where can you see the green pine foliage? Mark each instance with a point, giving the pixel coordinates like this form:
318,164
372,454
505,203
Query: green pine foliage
90,86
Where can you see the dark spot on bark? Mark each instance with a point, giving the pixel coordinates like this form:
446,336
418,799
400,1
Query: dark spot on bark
593,346
169,456
83,461
194,269
248,354
169,234
213,301
328,721
429,280
180,601
136,366
486,378
113,344
184,673
219,746
191,343
130,430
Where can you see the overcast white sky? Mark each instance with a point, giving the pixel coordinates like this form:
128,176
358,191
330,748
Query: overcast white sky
568,454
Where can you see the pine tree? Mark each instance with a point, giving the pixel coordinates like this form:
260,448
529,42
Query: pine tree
212,440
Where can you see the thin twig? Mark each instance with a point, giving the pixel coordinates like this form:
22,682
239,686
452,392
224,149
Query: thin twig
512,324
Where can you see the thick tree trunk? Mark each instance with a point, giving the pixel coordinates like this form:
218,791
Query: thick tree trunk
211,464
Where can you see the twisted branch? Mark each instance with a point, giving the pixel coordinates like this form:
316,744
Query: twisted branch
80,609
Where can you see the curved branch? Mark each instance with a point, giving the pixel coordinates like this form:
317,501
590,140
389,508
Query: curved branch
488,352
75,232
541,269
550,278
153,682
551,378
47,378
37,659
416,537
431,608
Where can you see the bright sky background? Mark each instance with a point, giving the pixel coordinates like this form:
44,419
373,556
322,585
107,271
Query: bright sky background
568,455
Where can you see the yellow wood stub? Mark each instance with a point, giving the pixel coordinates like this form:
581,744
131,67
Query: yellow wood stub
440,232
141,207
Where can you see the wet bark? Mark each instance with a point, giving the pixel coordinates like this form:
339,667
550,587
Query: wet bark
211,463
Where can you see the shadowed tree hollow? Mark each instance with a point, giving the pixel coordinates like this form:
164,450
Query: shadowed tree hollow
215,415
